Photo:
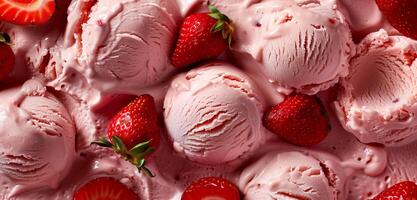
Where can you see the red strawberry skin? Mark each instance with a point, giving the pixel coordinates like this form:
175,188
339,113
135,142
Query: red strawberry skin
406,190
7,60
197,42
27,12
211,187
299,119
136,123
401,14
104,189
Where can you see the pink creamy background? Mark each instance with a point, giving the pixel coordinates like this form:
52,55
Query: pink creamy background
77,81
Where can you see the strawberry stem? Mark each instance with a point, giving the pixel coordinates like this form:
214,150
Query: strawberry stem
223,24
135,155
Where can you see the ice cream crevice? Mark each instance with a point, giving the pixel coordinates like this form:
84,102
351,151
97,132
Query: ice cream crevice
292,196
22,167
206,122
330,176
214,128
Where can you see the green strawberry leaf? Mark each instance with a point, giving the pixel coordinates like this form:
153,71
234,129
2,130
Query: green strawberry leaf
218,26
141,167
213,9
140,148
119,146
144,153
147,171
135,156
141,163
215,16
223,24
103,142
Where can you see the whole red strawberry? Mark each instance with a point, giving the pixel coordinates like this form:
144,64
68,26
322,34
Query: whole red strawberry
7,57
26,12
134,131
406,190
202,36
211,188
401,14
104,189
299,119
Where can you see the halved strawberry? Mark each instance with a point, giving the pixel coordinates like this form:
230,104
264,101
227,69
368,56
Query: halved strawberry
26,12
104,189
211,188
134,132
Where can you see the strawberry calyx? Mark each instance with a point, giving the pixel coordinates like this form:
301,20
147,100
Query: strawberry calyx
136,155
223,24
4,38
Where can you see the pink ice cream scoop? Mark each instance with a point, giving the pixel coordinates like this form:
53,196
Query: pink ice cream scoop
293,175
38,137
301,45
378,102
213,114
117,45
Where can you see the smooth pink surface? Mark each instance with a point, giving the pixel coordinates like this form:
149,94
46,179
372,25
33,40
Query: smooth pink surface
67,86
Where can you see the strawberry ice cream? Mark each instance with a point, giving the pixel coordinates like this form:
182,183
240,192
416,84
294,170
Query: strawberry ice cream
81,67
293,175
40,137
213,114
31,44
117,46
381,110
300,45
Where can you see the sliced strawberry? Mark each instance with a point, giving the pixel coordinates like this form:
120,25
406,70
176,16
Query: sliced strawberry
401,14
27,12
7,57
134,131
104,189
406,190
211,188
202,36
299,119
